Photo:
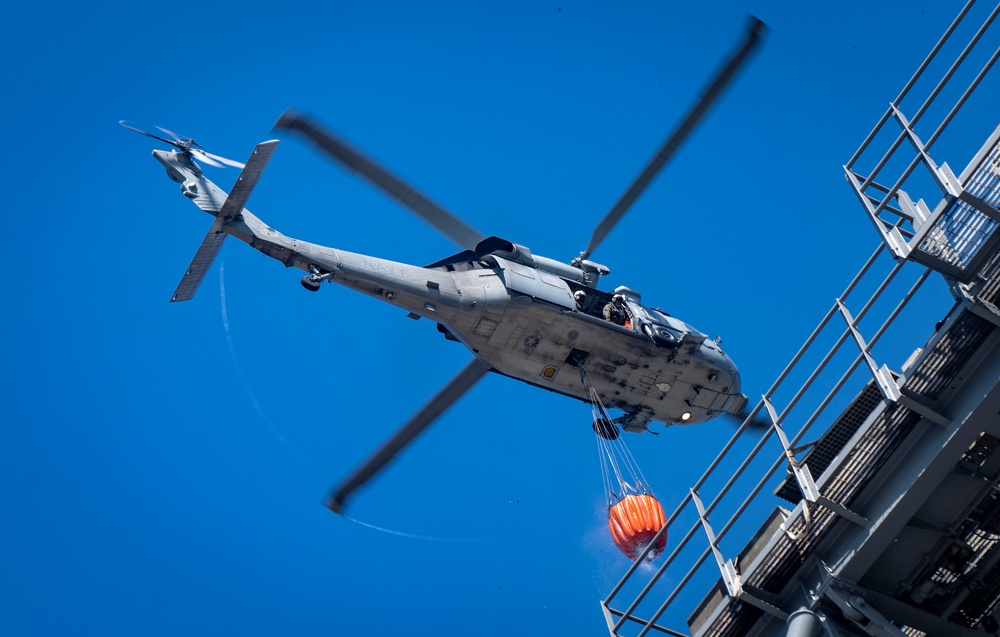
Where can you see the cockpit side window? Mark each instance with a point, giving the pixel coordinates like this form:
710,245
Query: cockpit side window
598,304
590,301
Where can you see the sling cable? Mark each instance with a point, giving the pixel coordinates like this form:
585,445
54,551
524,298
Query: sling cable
635,516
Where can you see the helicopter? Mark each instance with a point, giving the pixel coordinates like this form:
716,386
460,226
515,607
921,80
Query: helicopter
522,315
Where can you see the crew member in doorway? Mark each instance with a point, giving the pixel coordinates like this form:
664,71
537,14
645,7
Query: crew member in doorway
616,312
581,299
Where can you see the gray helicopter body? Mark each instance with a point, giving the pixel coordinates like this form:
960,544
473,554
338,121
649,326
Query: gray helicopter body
520,321
534,319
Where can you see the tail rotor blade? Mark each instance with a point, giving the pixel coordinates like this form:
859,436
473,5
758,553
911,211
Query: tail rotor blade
221,160
186,145
204,157
177,138
125,124
706,100
444,399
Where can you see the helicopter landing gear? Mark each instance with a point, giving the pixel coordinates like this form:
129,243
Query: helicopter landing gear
636,421
312,281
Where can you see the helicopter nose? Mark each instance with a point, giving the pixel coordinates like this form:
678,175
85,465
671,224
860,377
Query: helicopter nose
737,401
725,377
734,384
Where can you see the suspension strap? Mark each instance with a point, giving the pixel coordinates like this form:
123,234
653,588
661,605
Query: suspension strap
619,469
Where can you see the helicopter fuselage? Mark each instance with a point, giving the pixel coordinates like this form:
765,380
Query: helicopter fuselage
520,321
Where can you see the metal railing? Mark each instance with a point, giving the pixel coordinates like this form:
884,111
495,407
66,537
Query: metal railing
827,375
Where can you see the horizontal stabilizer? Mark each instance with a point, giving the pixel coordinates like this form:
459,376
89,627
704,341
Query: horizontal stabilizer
248,179
201,262
231,209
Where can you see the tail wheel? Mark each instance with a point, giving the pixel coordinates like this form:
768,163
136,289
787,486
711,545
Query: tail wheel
310,283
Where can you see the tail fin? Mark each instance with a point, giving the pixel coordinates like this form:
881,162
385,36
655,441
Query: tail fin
230,209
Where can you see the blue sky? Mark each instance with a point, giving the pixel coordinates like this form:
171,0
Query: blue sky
163,474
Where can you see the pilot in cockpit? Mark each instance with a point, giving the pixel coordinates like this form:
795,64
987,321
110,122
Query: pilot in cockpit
616,312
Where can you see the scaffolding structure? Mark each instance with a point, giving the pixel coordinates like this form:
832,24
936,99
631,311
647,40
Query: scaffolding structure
888,479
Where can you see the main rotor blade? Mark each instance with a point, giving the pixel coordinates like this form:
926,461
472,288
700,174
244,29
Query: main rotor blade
450,225
444,399
755,30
